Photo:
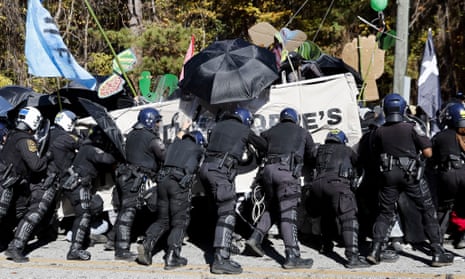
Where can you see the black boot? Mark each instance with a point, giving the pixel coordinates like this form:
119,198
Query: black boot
109,245
15,254
440,256
76,253
222,264
122,235
293,259
144,250
356,261
254,244
459,243
374,255
124,255
173,258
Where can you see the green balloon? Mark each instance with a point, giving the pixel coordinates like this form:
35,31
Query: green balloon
378,5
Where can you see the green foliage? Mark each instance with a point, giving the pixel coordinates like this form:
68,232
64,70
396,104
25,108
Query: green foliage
163,48
4,81
100,64
161,38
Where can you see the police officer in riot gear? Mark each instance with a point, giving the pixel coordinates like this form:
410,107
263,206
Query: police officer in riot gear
332,194
63,145
226,144
20,154
399,145
367,193
145,152
448,158
183,158
288,146
77,185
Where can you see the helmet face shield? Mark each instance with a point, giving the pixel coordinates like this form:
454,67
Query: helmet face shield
66,120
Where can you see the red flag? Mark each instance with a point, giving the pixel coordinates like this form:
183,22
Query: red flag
189,54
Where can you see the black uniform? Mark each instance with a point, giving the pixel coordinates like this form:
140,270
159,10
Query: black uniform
398,146
174,201
449,161
367,193
332,197
226,144
288,145
144,154
63,146
21,151
77,188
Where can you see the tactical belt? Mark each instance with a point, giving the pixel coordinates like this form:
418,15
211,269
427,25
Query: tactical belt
448,165
224,160
348,174
173,170
274,159
138,169
406,163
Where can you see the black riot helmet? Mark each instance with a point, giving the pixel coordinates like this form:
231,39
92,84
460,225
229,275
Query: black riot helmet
336,136
455,115
394,107
148,117
289,114
244,116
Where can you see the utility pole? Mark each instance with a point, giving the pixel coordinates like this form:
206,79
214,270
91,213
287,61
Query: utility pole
401,52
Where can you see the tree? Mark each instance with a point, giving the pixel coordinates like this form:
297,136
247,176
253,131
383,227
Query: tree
160,31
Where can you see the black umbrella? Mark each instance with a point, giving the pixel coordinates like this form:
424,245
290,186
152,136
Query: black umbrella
5,107
104,121
15,95
229,71
19,97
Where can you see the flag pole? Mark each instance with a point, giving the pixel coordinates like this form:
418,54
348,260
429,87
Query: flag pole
91,11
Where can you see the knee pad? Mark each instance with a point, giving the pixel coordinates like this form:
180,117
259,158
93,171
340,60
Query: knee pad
96,205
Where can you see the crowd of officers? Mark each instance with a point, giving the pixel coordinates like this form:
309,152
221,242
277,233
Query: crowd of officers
391,158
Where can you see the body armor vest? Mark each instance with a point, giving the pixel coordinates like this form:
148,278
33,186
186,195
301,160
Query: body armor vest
10,153
183,154
229,136
138,149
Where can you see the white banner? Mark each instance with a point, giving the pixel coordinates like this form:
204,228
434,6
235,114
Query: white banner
323,103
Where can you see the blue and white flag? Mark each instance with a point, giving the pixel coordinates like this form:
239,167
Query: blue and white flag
46,53
429,89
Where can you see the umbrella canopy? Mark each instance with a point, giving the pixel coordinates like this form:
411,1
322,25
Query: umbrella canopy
104,121
229,71
15,95
5,107
19,97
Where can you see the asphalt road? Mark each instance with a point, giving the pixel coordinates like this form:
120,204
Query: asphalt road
49,262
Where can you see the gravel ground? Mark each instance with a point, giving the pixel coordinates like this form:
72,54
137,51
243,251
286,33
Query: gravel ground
49,261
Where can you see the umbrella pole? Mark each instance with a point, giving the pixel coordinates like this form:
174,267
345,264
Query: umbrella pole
60,106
